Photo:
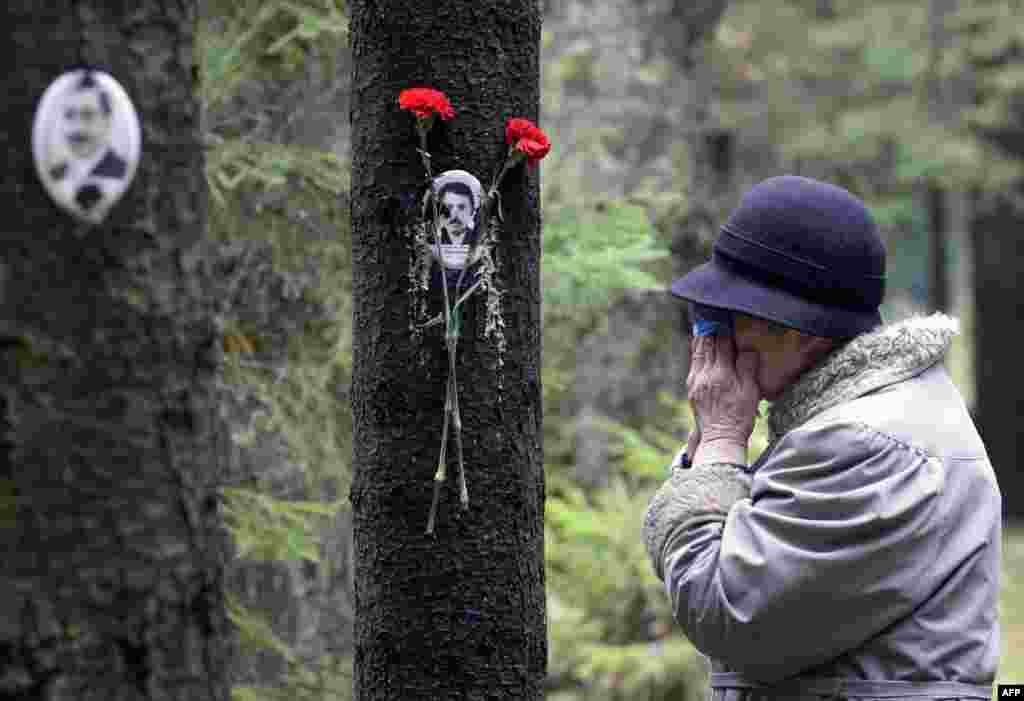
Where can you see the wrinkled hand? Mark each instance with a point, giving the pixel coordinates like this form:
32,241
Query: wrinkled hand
723,391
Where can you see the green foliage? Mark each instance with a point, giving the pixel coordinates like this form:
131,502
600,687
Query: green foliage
254,631
591,254
601,592
610,621
247,39
839,90
330,680
646,453
898,211
592,251
1011,605
579,66
298,192
295,198
960,360
234,164
265,528
308,403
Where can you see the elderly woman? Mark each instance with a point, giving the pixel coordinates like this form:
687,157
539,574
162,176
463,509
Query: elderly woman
859,556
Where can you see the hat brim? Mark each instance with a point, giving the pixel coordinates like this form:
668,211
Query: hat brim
715,286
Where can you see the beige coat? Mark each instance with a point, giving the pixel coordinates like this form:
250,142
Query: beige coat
861,556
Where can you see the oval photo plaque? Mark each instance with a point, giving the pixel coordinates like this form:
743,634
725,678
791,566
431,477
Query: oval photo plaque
86,143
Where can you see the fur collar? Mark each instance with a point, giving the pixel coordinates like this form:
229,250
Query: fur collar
888,354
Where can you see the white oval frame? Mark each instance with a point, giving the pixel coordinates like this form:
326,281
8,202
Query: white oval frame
125,138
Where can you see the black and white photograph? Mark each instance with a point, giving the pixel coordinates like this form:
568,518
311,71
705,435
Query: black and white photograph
86,142
458,196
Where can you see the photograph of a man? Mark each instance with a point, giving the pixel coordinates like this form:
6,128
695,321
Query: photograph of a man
86,142
458,196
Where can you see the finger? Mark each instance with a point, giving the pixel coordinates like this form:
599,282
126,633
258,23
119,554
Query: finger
746,368
725,351
699,348
704,351
698,356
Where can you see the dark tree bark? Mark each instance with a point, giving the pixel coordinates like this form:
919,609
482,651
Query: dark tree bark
461,614
112,559
999,308
939,233
996,219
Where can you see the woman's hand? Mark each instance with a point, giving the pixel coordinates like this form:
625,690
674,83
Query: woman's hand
724,395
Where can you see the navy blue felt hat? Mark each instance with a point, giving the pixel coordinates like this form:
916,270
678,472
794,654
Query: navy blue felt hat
799,252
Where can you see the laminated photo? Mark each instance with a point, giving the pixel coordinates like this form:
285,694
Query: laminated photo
86,142
458,196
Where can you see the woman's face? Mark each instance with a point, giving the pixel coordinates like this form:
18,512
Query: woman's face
783,355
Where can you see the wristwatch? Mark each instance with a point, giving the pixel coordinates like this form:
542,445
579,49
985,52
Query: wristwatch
682,462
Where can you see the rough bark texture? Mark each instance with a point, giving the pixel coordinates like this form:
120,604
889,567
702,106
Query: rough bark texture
939,234
999,254
460,615
111,585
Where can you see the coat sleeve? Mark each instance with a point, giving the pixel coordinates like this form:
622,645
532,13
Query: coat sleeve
834,545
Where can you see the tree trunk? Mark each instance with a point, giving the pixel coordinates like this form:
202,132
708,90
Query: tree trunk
112,559
999,267
460,614
938,236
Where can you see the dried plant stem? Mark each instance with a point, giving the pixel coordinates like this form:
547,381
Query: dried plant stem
452,323
451,391
483,225
442,471
433,508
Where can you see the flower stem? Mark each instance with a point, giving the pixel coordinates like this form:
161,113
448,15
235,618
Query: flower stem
440,475
456,416
433,508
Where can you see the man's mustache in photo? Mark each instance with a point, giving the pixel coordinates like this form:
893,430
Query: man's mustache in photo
79,138
453,225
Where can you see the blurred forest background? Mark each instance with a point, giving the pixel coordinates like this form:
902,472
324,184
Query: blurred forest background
662,113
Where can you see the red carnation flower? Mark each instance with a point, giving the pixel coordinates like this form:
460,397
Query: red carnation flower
526,138
534,150
519,128
425,103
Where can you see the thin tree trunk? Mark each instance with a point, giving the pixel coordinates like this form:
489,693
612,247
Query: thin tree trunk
938,232
460,614
996,217
999,309
112,559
